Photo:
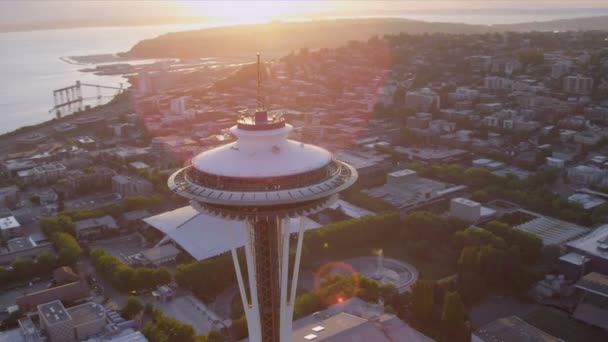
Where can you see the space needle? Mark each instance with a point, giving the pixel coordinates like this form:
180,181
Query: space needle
264,179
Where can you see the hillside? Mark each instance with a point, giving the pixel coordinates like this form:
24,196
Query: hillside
577,24
279,37
282,36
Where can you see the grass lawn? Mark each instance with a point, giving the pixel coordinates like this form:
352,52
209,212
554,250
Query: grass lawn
440,264
560,325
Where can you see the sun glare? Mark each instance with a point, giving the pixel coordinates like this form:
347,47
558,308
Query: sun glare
252,11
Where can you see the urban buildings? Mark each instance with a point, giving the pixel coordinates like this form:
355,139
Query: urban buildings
465,209
10,227
76,323
131,186
580,85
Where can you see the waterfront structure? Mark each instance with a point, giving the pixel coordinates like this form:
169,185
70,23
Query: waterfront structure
264,179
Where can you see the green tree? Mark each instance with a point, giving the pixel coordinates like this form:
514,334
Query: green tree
68,249
423,300
23,268
132,308
454,324
46,262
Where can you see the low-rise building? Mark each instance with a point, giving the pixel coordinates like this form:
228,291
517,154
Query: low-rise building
580,85
131,186
465,209
584,174
76,323
69,292
555,162
593,306
48,173
97,226
10,227
511,329
593,246
8,195
587,138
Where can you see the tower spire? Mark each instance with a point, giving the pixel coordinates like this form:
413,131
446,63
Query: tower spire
260,101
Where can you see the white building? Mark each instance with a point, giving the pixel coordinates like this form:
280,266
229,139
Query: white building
583,174
578,84
465,209
10,227
555,162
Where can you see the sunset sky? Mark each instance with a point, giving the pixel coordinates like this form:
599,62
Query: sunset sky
123,12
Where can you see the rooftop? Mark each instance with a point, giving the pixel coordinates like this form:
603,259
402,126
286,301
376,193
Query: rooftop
586,201
402,173
185,226
512,329
553,231
595,243
9,222
20,243
160,252
106,220
430,153
87,312
594,282
54,312
465,201
574,258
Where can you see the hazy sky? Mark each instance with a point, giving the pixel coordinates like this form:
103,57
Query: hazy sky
108,11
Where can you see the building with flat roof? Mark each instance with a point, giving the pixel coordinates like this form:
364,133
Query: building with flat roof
431,154
586,201
593,306
354,320
10,227
88,319
553,231
77,323
511,329
69,292
158,255
56,322
131,186
95,226
405,190
595,247
465,209
48,173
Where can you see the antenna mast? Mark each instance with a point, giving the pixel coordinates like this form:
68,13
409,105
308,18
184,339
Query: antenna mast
260,101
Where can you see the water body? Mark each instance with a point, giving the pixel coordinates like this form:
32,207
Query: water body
30,65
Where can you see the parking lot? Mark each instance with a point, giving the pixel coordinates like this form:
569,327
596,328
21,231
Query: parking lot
122,247
93,201
192,311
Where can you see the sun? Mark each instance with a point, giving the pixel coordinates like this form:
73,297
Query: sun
252,11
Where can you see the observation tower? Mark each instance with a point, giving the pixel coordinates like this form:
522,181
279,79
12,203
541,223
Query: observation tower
264,179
